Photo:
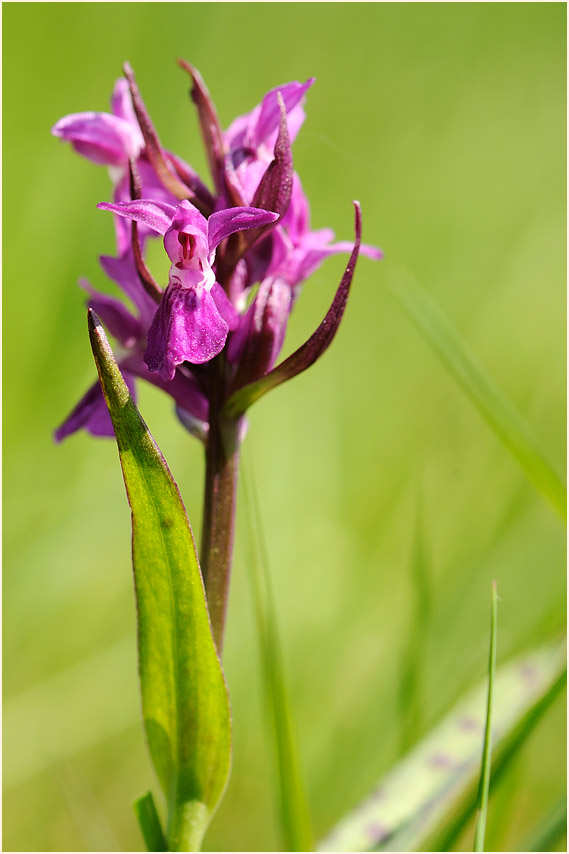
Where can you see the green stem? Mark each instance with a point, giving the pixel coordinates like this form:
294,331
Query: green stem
187,824
222,466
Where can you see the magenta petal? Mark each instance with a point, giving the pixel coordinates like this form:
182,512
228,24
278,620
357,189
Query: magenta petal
156,215
123,272
225,306
91,413
100,137
186,328
121,105
224,223
269,116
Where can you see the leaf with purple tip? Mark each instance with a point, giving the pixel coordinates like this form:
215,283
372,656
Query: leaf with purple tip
311,350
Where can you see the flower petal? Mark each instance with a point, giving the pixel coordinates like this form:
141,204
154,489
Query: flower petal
122,271
225,306
156,215
224,223
100,137
269,116
186,328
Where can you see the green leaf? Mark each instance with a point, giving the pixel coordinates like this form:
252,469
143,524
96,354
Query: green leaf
149,822
484,784
184,698
292,804
412,799
475,381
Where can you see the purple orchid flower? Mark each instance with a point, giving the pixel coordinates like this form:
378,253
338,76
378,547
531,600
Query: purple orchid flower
194,315
204,309
251,138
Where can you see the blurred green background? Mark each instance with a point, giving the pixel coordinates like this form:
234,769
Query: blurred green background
447,122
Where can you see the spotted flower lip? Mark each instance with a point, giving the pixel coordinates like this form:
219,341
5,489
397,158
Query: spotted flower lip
195,315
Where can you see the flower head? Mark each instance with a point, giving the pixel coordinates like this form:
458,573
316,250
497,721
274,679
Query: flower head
253,231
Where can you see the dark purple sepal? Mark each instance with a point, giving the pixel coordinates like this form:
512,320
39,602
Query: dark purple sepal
186,328
91,413
220,166
275,188
154,150
311,350
257,343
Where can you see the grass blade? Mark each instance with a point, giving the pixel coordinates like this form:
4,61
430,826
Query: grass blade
409,803
504,753
293,807
484,785
149,822
474,380
184,698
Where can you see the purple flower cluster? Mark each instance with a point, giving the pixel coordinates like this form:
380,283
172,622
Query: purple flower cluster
238,255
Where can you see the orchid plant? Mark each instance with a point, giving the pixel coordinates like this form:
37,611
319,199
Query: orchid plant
210,338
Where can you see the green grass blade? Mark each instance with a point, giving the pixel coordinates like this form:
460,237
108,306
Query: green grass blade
411,801
292,803
147,815
184,698
484,785
475,381
504,753
550,831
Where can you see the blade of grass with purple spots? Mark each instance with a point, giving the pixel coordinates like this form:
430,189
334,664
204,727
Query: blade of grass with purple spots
409,803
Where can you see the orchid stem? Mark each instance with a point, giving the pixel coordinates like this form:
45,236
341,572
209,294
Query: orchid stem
222,466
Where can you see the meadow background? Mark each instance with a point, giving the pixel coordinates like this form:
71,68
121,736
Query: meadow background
447,122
